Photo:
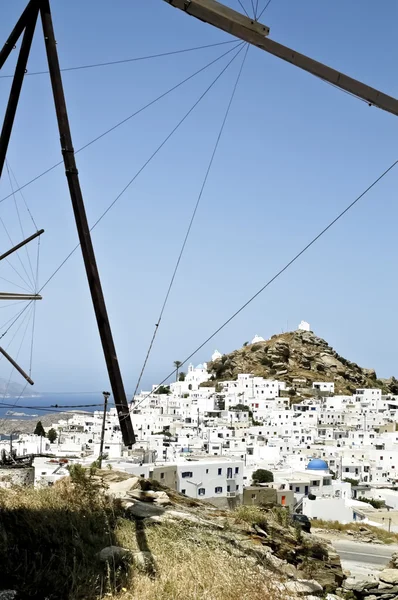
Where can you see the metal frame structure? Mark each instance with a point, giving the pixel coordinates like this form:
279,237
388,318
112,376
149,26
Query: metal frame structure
26,26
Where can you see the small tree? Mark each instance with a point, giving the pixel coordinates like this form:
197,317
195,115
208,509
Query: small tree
181,376
245,344
263,476
177,364
163,389
39,429
52,435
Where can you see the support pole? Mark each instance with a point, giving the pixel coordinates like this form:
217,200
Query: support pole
83,229
16,32
101,452
21,244
16,366
30,18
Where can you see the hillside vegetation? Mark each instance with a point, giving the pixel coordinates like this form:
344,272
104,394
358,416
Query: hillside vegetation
298,355
53,540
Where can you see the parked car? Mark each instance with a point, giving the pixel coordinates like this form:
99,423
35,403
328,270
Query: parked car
302,521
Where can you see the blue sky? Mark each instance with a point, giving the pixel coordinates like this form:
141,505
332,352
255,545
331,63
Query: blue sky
294,153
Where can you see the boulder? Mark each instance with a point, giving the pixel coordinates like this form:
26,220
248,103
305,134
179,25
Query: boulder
143,560
389,576
393,564
303,587
119,489
143,510
360,584
113,554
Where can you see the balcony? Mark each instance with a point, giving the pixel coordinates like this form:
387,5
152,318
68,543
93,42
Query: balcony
231,494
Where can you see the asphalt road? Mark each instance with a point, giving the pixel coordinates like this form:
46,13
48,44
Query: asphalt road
360,557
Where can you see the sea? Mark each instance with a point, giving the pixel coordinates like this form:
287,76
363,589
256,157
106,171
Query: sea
35,406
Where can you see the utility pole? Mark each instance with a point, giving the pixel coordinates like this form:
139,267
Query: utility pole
254,33
106,396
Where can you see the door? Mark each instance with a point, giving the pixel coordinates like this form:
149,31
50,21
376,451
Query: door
306,490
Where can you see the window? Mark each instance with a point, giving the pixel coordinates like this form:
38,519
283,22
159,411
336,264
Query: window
185,474
220,471
218,490
229,473
183,492
237,487
297,488
228,488
201,491
236,470
162,476
253,496
207,470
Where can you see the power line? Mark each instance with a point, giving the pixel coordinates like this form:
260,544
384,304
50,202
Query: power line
147,162
127,60
270,281
123,121
191,221
239,47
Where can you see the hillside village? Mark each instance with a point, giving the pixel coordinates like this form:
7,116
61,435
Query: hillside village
331,455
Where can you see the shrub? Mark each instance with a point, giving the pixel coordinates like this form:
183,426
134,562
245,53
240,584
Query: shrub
263,476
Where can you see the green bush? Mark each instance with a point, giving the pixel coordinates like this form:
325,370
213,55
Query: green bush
263,476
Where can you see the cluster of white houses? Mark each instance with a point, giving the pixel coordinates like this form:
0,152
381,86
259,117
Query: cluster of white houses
327,452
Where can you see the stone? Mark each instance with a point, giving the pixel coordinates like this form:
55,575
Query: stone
389,576
394,561
332,597
119,489
113,554
143,510
143,560
8,595
385,586
304,587
181,516
360,584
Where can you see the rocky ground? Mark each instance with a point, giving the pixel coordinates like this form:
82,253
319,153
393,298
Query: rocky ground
381,585
299,355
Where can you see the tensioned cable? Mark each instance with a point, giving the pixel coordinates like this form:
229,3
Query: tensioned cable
134,114
127,60
239,47
243,8
148,160
45,407
23,197
19,219
30,284
34,307
191,222
270,281
264,9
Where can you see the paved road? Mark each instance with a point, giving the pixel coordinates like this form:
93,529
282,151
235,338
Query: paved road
361,558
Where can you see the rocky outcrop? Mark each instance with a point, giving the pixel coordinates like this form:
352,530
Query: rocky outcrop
379,586
302,356
304,564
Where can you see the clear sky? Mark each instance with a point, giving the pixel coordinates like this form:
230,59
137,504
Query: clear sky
295,151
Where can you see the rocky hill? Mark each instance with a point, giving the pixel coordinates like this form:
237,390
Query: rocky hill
299,355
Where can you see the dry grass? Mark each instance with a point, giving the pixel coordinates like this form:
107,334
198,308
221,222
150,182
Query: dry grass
381,534
50,538
193,563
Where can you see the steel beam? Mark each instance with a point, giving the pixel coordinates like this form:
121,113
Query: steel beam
83,229
246,29
12,296
16,366
21,244
16,32
20,69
